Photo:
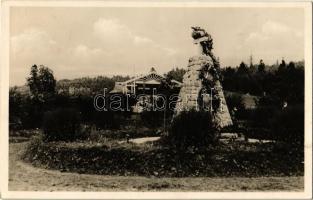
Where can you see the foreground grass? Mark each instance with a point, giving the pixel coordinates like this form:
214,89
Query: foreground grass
25,177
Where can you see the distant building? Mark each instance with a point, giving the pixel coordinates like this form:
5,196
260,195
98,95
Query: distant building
249,101
142,84
74,91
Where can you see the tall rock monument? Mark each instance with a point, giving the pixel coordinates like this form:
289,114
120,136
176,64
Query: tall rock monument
201,89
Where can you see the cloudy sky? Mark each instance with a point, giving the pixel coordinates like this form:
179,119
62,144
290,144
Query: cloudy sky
76,42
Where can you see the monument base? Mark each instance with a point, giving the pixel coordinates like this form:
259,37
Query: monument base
191,95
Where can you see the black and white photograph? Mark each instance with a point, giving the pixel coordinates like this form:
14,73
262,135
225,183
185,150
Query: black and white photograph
144,98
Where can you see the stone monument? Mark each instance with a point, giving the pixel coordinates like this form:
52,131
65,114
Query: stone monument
201,89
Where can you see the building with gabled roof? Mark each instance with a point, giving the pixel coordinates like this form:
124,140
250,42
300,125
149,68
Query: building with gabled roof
143,84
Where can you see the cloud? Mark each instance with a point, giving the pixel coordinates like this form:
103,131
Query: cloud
273,41
117,36
126,48
256,37
33,46
85,51
142,40
109,29
82,55
32,40
112,32
170,51
271,29
111,48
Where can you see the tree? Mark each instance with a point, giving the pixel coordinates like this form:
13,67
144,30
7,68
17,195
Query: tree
33,82
228,72
261,67
291,66
47,81
242,69
41,83
282,66
176,74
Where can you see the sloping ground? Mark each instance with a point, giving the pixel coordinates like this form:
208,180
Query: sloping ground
24,177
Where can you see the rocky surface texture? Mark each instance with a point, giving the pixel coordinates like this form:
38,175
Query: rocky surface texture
222,115
192,85
195,95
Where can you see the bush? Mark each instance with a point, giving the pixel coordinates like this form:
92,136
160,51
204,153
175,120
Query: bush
62,124
107,119
192,128
259,133
288,126
285,125
152,119
235,100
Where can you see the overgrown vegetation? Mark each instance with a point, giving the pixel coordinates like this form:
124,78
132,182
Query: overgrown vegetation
152,119
192,129
152,159
62,125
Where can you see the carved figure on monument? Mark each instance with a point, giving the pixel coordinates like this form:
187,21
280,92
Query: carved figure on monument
201,89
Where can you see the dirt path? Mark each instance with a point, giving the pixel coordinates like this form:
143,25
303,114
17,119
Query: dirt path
24,177
144,139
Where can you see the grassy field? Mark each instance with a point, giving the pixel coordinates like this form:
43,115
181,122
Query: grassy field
25,177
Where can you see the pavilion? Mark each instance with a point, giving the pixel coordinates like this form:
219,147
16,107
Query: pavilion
142,84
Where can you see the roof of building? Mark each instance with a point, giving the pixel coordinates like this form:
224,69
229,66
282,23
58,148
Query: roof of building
151,78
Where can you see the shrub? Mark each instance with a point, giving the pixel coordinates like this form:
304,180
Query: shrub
107,119
258,133
192,128
152,119
235,100
285,125
288,126
261,116
62,124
